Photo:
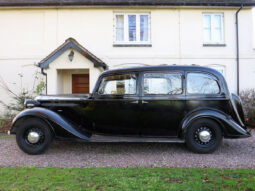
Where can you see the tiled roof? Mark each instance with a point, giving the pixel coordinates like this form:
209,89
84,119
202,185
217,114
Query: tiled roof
60,3
71,43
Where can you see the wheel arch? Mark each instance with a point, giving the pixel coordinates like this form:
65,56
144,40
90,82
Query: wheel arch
21,119
53,119
216,120
220,118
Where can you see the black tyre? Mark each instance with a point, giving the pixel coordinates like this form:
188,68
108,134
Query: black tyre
203,136
34,136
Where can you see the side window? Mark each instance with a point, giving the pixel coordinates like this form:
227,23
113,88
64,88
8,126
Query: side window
162,83
198,83
118,85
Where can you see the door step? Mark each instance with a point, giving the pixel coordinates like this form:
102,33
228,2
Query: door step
101,138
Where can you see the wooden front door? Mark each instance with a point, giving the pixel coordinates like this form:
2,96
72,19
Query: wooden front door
80,83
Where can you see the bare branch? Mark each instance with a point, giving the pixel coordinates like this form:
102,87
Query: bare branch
4,85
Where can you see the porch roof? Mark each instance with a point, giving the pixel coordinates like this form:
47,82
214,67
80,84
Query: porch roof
61,3
72,43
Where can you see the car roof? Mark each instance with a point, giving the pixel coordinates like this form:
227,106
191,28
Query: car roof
194,68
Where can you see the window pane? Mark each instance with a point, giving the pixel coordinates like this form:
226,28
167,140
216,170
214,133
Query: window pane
207,35
118,85
144,29
207,21
217,21
201,84
217,36
217,28
207,28
132,27
119,27
162,83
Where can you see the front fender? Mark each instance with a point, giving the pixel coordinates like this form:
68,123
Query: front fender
49,116
219,117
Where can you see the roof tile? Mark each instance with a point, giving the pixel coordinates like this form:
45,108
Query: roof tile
59,3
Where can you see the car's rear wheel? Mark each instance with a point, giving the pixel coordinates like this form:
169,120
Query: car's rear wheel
34,136
203,136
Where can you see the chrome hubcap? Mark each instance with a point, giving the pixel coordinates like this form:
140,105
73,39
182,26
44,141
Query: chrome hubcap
204,136
33,137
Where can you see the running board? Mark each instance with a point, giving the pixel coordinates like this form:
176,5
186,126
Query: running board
100,138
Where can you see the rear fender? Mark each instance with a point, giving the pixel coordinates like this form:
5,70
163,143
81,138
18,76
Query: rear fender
48,116
220,117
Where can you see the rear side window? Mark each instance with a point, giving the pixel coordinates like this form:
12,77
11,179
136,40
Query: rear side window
118,85
162,83
198,83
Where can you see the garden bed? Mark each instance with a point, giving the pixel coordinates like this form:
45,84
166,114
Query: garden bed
5,125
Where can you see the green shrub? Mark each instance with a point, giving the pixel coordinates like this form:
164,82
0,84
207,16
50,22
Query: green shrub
5,125
2,122
17,99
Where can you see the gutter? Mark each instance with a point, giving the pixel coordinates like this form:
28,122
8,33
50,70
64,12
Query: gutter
45,74
237,49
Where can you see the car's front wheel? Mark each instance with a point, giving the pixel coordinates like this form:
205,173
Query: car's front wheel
34,136
203,136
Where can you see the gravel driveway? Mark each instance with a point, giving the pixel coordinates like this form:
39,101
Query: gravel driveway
235,153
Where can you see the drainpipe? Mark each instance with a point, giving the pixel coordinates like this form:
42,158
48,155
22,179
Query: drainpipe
45,74
237,48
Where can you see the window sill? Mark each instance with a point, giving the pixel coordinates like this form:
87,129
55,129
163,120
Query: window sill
214,45
132,45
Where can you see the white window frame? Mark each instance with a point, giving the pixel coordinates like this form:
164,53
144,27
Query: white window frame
126,27
212,29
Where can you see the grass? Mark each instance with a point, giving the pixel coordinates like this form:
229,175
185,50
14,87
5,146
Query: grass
6,137
30,178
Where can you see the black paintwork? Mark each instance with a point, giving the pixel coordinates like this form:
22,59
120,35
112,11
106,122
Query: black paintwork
138,115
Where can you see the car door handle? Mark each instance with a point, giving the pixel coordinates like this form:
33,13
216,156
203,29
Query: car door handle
134,102
144,102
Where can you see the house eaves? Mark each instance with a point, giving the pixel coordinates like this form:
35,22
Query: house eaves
128,3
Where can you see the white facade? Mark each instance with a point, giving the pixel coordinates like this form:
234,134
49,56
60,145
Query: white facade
176,36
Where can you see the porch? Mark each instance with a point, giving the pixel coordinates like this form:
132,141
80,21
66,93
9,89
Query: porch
71,69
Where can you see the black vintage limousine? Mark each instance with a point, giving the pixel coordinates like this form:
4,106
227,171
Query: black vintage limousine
184,104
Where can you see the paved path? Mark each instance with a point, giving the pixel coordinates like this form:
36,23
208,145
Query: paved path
235,153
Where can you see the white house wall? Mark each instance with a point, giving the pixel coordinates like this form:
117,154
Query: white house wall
28,35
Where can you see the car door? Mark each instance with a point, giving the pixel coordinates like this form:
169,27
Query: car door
203,91
115,105
163,103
